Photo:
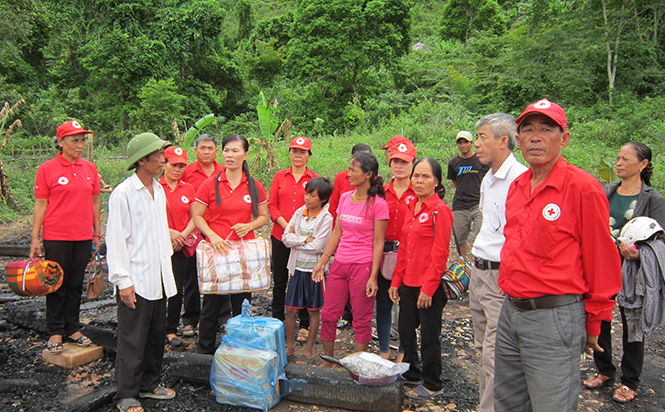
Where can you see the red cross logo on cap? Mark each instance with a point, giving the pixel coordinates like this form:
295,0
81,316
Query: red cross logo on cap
402,147
542,104
76,124
300,140
178,151
551,212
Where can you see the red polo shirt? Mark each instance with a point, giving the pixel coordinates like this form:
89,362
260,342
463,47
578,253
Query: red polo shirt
286,196
69,188
398,207
194,175
340,185
236,205
178,202
558,242
421,259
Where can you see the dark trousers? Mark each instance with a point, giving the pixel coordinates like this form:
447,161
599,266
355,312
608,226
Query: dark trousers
429,320
209,323
280,274
631,361
140,348
184,270
63,305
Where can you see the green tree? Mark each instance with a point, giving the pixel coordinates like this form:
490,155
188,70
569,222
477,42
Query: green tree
460,18
245,16
160,106
336,41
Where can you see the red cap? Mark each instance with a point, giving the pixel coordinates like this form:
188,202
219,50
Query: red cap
549,109
301,142
175,155
395,140
402,149
69,128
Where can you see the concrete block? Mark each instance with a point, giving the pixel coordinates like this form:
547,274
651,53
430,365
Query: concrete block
73,355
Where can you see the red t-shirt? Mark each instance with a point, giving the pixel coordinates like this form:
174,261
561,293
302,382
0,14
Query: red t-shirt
69,188
421,259
194,175
558,242
340,185
399,207
235,207
178,202
286,196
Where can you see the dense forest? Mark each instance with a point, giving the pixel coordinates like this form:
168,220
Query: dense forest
335,66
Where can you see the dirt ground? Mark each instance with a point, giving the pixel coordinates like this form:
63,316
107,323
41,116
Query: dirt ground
46,387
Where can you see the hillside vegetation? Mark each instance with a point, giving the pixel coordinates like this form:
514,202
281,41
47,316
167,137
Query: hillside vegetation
343,71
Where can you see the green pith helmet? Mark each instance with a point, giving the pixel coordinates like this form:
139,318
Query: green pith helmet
142,145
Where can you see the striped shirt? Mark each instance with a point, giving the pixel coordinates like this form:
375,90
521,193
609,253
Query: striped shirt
138,241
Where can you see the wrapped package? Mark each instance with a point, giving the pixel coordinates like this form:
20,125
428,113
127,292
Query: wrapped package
245,268
245,377
34,277
258,332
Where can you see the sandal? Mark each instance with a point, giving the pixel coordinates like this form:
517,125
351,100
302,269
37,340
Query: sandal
623,394
129,405
188,331
303,335
174,342
421,392
160,392
401,378
81,340
598,381
55,348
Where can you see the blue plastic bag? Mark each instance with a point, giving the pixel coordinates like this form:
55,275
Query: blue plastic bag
263,333
243,376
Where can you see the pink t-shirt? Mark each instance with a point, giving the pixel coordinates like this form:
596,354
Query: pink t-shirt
357,242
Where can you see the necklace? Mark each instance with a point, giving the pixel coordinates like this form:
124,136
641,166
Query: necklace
359,198
634,191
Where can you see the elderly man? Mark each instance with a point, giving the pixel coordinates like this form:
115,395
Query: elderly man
466,172
559,270
495,141
139,259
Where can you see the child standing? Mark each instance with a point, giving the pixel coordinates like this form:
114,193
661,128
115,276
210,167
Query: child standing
307,235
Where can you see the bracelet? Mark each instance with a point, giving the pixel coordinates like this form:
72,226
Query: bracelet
95,235
323,254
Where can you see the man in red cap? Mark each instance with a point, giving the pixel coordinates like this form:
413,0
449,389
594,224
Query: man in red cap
559,271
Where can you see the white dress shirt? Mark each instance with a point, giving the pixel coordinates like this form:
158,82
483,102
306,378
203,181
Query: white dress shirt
138,240
493,194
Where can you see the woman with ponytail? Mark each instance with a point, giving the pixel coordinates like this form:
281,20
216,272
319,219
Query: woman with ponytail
421,259
238,206
358,238
630,198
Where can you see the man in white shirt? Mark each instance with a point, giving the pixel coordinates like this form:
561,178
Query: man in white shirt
495,141
139,259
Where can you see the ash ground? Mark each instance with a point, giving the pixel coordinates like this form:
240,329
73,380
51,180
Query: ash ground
46,387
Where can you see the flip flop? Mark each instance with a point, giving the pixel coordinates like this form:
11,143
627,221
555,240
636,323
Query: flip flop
125,404
159,393
405,381
55,348
188,331
304,360
423,393
175,342
82,340
303,334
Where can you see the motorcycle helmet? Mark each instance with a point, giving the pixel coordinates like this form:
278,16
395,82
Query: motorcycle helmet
638,229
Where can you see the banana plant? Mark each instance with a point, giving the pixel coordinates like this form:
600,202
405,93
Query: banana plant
196,129
606,171
6,114
268,124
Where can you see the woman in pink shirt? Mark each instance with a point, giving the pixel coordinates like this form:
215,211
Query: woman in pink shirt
358,238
